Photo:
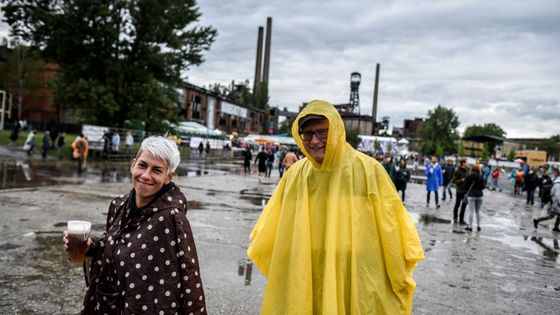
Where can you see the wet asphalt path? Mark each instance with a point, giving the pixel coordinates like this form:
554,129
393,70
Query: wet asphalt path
507,268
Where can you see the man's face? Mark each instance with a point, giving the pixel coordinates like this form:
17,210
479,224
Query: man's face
314,135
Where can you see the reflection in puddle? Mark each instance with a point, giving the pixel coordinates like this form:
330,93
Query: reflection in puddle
34,173
245,268
549,248
550,252
428,219
9,246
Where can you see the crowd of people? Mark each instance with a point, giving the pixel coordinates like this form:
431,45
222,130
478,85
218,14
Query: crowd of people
268,157
470,181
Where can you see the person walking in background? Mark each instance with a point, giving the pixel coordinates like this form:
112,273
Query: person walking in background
46,144
530,183
269,162
115,142
518,182
290,158
448,171
402,176
247,158
334,238
30,142
128,141
14,135
545,187
495,179
60,145
552,207
475,183
485,171
434,180
207,147
281,156
389,167
80,148
458,180
260,160
200,148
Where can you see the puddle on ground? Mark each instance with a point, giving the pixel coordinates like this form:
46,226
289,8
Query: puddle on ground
35,173
428,219
8,246
255,199
537,245
193,204
245,270
44,283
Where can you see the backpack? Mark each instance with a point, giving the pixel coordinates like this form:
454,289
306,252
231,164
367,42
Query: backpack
519,177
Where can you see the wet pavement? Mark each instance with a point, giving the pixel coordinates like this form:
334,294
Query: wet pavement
507,268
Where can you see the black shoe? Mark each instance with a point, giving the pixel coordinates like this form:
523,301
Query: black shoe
437,206
462,223
442,199
535,223
468,228
478,228
555,229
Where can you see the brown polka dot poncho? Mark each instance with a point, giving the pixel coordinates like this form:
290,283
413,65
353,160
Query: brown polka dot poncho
145,263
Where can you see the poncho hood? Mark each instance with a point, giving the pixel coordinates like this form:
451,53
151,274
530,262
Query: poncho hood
335,238
336,142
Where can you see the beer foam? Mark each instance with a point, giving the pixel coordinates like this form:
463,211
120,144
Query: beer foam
78,227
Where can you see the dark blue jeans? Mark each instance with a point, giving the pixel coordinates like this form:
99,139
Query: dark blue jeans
531,196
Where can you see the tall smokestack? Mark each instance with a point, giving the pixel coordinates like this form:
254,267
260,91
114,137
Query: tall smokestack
258,65
267,50
374,109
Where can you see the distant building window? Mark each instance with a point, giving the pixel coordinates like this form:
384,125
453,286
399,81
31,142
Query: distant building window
196,100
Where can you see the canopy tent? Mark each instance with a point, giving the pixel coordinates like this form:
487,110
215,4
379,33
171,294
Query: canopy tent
367,144
191,128
268,139
403,141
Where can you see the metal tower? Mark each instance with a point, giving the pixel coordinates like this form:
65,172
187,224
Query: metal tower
355,79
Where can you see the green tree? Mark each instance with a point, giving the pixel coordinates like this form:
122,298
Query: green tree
485,151
390,147
439,150
118,59
461,150
376,145
352,137
511,155
490,129
551,146
440,129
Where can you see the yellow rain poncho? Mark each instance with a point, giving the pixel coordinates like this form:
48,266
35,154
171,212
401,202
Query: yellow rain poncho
335,238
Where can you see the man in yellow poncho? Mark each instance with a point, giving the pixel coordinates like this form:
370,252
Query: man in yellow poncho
335,237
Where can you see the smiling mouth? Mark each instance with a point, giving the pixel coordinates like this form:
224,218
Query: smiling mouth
143,183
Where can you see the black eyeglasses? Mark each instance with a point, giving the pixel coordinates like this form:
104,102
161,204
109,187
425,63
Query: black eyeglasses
321,134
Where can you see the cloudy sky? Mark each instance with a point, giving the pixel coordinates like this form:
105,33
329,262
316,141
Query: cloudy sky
490,61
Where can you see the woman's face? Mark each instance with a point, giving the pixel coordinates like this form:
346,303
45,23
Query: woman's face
148,177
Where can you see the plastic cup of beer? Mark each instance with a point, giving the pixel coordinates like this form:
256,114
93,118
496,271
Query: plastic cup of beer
78,232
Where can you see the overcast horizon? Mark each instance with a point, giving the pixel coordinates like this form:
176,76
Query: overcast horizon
489,61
